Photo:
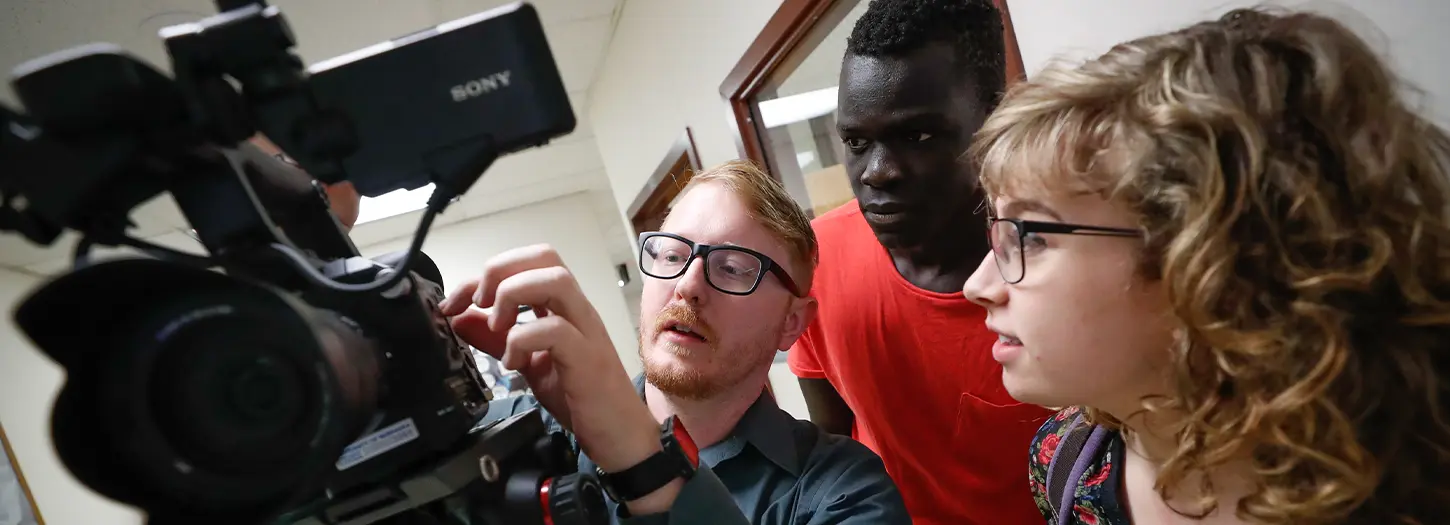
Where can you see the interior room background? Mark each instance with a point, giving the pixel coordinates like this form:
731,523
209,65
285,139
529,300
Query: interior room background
645,78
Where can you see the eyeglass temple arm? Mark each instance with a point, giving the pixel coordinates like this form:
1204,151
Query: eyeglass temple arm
785,279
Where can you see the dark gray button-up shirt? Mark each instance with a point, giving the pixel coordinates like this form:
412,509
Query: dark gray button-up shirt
771,470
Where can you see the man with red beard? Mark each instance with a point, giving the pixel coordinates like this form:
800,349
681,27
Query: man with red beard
698,439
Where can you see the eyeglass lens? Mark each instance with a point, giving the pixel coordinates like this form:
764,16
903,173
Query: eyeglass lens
729,270
1007,247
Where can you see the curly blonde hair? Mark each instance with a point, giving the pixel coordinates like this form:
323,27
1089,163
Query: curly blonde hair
1294,205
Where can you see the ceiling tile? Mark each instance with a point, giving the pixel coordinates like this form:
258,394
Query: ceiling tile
51,267
158,216
33,28
404,225
578,49
550,11
17,251
328,28
542,163
447,10
538,191
583,129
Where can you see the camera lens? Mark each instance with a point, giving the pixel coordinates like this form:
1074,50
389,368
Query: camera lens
242,387
230,397
193,391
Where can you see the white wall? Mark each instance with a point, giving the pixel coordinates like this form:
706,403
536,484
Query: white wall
568,223
28,384
1409,32
663,73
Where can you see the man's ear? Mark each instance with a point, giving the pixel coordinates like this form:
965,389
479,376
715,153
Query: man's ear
797,319
345,202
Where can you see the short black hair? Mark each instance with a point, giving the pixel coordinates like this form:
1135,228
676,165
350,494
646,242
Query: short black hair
973,29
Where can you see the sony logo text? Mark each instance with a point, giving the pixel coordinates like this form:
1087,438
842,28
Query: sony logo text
482,86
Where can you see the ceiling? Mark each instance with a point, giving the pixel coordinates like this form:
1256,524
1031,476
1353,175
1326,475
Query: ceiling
821,68
579,33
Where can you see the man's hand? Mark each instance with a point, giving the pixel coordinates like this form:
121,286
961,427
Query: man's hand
566,355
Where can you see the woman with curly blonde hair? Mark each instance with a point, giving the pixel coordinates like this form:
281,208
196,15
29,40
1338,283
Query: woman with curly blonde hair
1227,248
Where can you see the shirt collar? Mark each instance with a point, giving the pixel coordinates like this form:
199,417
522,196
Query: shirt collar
763,426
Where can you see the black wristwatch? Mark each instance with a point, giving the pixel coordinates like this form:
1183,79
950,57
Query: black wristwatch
677,460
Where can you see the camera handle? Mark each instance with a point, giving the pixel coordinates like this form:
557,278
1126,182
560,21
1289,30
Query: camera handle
512,471
252,43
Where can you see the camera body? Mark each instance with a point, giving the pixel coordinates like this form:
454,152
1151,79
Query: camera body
193,393
281,376
432,391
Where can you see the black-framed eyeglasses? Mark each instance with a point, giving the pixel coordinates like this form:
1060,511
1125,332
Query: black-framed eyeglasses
731,269
1008,236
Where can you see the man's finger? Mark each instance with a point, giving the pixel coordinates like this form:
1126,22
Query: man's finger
551,334
551,289
459,299
539,365
539,374
472,327
508,264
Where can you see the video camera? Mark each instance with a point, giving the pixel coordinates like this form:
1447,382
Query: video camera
281,377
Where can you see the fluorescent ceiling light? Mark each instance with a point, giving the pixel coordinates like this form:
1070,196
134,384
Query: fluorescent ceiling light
797,108
393,203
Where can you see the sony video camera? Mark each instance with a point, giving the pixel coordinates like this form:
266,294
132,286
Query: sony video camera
280,377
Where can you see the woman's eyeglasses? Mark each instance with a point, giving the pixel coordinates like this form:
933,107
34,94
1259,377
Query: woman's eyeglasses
1008,235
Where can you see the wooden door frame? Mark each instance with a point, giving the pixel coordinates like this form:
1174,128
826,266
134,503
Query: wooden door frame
674,172
20,476
795,24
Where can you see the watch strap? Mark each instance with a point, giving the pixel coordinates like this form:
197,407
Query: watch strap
673,428
678,458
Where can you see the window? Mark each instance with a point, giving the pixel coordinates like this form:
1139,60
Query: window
783,96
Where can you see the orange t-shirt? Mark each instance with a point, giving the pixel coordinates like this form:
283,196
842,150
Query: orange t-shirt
916,368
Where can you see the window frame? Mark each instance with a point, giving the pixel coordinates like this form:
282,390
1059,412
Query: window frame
797,28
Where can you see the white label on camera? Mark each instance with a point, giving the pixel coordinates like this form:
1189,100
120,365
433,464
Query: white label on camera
376,443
